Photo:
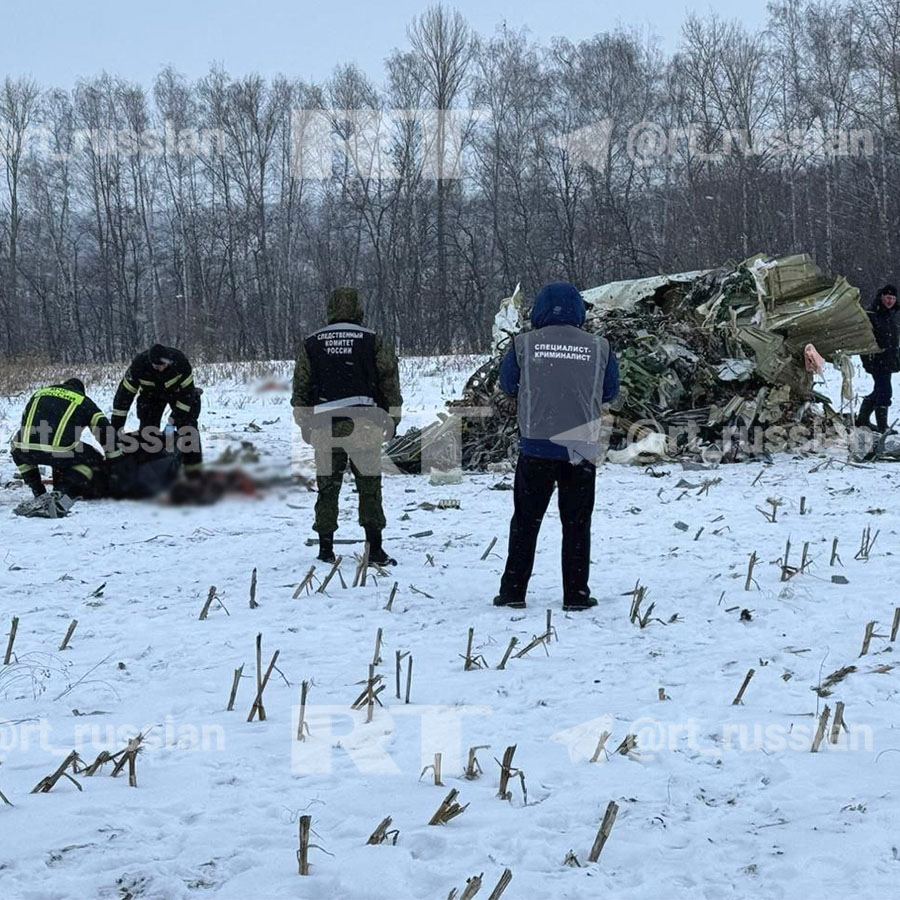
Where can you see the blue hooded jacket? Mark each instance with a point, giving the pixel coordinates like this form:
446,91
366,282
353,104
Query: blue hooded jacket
558,303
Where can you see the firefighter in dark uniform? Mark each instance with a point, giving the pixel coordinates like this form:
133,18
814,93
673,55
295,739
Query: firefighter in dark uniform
347,402
161,377
50,435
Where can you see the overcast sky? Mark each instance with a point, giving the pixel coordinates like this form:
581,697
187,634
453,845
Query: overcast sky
58,41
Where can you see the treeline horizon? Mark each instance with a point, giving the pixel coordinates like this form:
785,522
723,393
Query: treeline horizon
182,211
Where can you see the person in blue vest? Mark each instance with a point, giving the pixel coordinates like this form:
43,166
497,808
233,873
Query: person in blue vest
562,376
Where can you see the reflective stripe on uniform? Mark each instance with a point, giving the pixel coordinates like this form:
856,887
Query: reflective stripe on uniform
184,407
343,326
188,380
120,412
86,471
171,382
25,468
28,427
129,386
147,383
25,443
60,392
343,404
64,421
193,468
113,454
44,448
95,419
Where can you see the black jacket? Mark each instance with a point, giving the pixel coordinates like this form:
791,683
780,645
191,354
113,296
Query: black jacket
886,325
345,365
174,384
54,418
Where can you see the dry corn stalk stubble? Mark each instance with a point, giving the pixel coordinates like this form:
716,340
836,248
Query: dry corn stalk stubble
448,810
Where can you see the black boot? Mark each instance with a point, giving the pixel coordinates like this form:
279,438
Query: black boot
881,419
377,556
579,604
326,548
35,482
864,417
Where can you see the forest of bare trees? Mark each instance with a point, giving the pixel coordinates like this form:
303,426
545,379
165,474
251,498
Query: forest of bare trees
179,212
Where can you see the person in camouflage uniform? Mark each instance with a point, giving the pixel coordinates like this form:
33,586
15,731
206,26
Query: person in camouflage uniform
347,402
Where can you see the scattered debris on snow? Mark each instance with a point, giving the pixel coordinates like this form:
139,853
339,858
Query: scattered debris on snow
703,355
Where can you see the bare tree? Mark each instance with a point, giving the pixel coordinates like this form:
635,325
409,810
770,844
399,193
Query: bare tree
443,45
18,106
187,213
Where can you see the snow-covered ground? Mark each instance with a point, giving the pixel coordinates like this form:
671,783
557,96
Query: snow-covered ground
717,801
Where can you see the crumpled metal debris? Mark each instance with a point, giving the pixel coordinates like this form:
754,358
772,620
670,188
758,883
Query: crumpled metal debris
626,295
889,448
52,505
883,447
701,354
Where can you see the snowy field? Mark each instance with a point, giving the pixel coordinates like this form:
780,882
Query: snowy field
716,800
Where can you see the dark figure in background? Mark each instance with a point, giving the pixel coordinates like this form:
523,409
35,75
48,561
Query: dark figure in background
50,435
161,377
562,376
886,325
347,402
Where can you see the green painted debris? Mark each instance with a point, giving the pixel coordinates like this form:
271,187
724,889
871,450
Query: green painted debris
702,355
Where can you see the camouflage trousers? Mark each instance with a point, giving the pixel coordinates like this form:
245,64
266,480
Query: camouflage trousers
361,453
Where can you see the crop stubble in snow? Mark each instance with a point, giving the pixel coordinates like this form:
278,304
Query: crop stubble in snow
717,800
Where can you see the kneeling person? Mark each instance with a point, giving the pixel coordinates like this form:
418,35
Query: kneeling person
50,435
161,377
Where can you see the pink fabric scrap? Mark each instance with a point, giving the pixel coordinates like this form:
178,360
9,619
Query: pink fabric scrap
815,363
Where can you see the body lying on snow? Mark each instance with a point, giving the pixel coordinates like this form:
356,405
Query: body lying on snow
135,465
